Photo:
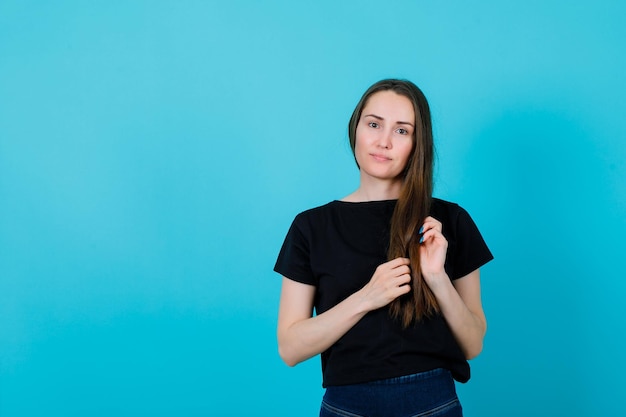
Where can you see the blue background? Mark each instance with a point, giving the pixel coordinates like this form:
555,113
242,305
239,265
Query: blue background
154,153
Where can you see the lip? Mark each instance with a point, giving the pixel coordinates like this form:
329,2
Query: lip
379,157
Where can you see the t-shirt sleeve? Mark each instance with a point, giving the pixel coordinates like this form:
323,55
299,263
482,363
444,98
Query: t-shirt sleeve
471,250
294,261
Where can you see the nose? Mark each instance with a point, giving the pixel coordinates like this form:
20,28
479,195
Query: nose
384,140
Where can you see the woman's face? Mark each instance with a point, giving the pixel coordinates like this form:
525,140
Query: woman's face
384,135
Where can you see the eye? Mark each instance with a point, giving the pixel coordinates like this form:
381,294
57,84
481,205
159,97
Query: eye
402,131
373,124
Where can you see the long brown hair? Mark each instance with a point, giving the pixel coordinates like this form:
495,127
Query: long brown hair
413,204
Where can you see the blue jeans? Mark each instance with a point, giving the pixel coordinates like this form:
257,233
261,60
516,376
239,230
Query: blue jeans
430,393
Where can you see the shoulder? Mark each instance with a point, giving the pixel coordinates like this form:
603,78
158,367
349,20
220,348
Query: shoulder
316,212
466,247
446,210
314,216
454,218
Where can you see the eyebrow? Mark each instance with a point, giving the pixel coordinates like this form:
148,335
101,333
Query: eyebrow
375,116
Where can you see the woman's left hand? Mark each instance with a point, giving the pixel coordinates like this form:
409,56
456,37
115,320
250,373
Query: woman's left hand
432,251
459,301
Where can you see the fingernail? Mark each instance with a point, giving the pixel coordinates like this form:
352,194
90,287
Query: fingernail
422,239
421,230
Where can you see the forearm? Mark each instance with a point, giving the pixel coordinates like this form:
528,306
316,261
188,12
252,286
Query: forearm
311,336
468,328
301,336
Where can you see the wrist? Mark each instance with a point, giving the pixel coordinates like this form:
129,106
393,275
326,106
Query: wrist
436,279
362,304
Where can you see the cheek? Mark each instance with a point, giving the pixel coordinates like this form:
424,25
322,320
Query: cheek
407,150
357,151
359,137
359,142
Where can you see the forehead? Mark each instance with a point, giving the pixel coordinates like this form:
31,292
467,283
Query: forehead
389,105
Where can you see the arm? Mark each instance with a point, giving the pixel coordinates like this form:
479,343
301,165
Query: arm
301,336
461,306
460,301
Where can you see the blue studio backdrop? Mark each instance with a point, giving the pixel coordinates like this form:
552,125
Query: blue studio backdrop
154,153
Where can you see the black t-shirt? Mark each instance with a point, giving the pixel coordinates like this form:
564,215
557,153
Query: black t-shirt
336,248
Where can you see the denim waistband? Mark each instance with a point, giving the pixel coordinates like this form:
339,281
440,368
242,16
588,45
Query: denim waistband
429,393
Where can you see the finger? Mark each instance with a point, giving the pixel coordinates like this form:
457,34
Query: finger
402,270
431,223
399,287
426,232
433,235
394,263
403,279
403,289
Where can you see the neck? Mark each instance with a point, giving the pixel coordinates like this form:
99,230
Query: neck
375,190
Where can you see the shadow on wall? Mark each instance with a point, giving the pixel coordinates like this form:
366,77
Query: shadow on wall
551,213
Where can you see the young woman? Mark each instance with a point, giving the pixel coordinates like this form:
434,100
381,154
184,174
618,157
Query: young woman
392,273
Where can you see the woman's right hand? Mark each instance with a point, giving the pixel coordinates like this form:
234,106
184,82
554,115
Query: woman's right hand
390,280
302,335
